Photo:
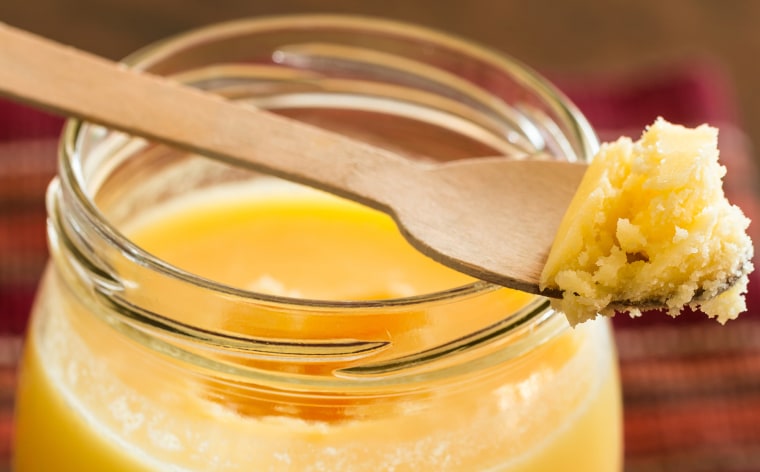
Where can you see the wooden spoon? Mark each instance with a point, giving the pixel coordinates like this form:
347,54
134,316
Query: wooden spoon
492,218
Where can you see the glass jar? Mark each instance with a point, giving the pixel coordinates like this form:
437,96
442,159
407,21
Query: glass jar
135,362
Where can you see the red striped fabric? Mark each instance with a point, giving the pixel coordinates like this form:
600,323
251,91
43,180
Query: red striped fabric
691,387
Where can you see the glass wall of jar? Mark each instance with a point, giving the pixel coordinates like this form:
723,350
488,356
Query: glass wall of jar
197,316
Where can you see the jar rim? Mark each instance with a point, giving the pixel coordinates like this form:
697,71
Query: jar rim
144,57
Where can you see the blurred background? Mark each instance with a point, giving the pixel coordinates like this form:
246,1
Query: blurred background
691,386
572,39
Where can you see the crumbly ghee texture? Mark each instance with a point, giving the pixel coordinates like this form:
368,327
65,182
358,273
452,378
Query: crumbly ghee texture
651,226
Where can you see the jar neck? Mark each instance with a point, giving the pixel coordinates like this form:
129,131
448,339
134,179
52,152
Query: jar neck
267,338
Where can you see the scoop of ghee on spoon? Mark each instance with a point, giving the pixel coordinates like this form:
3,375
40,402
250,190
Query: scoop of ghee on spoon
492,218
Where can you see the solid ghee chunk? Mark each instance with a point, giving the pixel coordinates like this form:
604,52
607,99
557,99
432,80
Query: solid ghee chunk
651,226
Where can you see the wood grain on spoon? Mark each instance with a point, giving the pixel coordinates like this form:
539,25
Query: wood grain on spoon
492,218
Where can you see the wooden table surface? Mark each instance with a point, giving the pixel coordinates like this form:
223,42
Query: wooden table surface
566,37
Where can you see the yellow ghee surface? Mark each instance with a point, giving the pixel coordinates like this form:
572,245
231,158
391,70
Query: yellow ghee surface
90,399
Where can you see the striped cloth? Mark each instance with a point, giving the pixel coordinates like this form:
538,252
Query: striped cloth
691,387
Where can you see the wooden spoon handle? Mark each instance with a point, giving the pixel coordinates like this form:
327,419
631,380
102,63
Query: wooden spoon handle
71,82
